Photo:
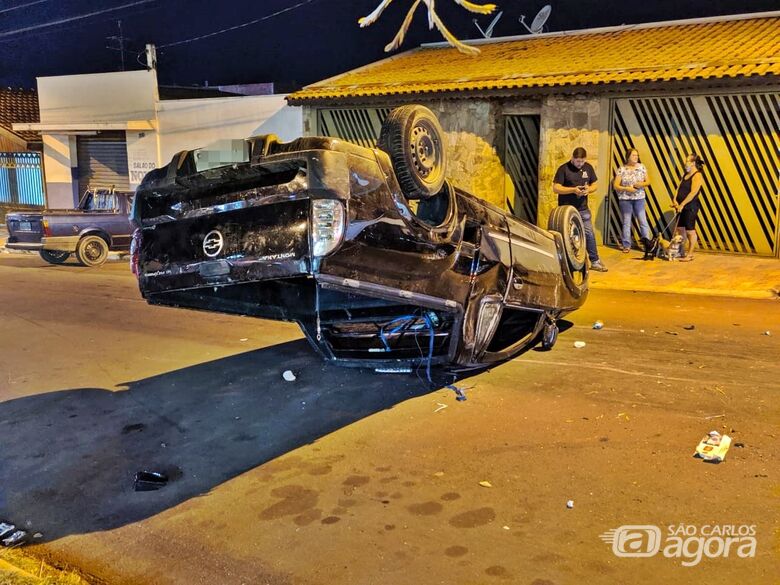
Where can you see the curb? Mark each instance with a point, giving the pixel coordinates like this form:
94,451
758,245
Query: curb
762,295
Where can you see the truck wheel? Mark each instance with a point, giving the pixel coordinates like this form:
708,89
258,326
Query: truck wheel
549,335
54,256
92,250
566,221
412,136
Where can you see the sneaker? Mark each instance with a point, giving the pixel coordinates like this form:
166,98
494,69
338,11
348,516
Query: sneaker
598,266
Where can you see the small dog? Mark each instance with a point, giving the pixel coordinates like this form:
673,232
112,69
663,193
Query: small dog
659,247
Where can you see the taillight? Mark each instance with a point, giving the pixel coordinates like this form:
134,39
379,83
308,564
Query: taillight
46,228
327,225
135,251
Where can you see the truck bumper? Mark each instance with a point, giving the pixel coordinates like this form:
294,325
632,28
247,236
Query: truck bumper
34,246
60,243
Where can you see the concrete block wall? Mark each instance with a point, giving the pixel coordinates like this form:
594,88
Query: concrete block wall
566,123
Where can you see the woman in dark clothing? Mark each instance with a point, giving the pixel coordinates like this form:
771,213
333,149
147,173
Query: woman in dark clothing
686,202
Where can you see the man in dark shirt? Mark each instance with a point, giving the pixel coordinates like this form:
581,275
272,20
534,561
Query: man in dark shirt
573,182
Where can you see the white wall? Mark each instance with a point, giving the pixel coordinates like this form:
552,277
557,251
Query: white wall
199,123
99,97
142,155
59,159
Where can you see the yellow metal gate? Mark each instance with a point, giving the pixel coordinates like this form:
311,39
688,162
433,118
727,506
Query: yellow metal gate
737,134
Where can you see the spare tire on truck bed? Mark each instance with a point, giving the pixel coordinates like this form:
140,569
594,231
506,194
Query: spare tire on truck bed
413,138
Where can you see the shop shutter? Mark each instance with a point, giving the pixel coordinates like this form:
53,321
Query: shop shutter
102,161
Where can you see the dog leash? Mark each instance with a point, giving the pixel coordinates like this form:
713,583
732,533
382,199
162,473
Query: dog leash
675,220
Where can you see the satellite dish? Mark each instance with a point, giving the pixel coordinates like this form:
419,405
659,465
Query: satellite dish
488,32
538,23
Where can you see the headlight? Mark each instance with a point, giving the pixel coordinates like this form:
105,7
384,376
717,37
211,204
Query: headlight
327,225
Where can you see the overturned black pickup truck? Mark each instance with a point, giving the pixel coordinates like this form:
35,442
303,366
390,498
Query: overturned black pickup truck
373,252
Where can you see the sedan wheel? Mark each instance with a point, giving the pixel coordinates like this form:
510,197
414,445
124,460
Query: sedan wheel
92,251
54,256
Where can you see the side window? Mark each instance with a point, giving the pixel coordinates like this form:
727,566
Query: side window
88,202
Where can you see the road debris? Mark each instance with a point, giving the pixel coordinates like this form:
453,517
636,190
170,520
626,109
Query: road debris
689,327
570,504
739,445
6,528
244,339
486,484
672,333
439,474
146,481
441,407
289,376
598,325
15,539
713,447
767,333
579,344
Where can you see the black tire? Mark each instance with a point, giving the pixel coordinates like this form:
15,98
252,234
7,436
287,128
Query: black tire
549,335
566,221
413,138
92,251
54,256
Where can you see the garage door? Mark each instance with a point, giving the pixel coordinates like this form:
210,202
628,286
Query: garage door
102,161
736,134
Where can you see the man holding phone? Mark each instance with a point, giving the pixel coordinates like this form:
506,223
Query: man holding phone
573,181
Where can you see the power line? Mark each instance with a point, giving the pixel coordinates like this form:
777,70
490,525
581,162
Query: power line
72,18
22,6
250,23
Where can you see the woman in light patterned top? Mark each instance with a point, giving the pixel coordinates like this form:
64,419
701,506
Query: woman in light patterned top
630,182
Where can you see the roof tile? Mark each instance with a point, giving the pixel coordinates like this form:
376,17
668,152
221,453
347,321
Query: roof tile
19,105
698,50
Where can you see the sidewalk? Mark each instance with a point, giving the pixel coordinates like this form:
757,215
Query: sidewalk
721,275
708,274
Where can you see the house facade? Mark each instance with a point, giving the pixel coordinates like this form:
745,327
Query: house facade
110,129
515,112
21,176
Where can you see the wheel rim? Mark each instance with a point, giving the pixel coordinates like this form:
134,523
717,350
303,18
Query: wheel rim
425,150
576,239
93,251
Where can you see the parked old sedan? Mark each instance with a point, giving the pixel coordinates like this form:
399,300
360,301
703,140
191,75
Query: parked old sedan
98,225
378,257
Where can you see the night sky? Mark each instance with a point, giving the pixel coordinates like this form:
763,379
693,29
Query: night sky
314,41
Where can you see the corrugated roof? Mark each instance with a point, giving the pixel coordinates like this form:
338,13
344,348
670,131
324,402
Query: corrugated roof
684,50
19,105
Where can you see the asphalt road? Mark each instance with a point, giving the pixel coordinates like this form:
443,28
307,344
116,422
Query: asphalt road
344,476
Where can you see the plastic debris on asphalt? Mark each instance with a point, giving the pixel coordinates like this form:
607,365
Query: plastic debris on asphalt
713,447
6,528
441,407
486,484
16,538
570,504
767,333
689,327
598,325
146,481
579,344
289,376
